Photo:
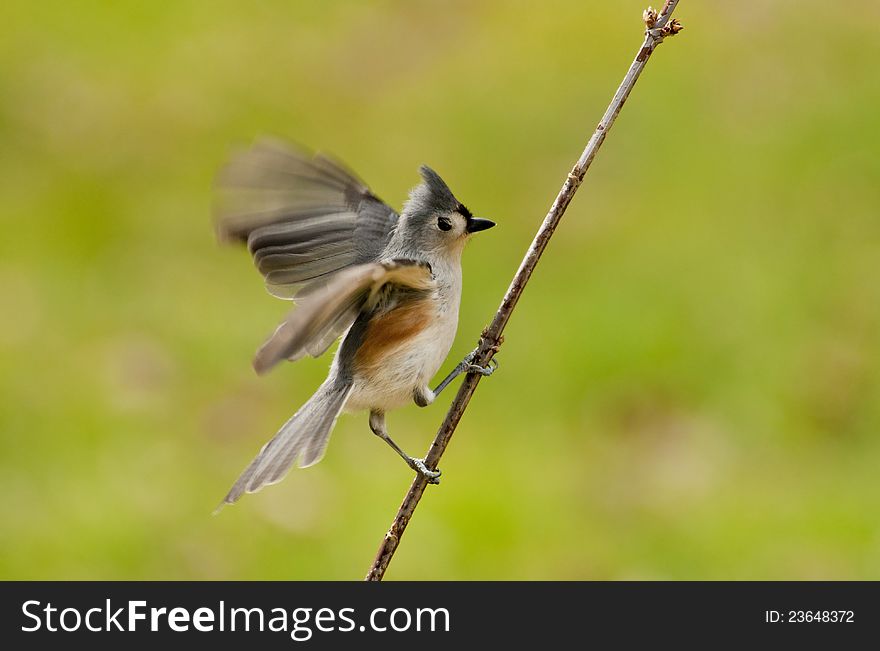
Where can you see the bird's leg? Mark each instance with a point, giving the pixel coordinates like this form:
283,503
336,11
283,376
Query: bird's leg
466,366
377,424
423,396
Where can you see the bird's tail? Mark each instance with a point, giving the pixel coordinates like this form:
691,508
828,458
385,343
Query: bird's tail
304,436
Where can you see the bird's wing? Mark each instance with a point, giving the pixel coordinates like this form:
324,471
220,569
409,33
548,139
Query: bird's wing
302,216
327,307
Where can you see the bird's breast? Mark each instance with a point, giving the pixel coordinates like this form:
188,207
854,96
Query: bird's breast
400,350
387,333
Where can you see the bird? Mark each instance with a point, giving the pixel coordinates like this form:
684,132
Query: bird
388,284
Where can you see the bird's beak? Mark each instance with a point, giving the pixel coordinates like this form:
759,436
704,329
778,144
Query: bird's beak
476,224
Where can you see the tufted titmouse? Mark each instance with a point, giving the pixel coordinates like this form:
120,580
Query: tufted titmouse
389,284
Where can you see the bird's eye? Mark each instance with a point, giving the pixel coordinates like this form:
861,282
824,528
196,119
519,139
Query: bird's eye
444,224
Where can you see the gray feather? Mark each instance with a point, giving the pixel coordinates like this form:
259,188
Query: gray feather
432,195
304,436
328,306
302,216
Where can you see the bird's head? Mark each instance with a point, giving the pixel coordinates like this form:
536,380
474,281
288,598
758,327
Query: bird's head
434,220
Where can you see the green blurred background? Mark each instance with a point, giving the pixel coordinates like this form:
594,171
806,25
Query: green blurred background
689,388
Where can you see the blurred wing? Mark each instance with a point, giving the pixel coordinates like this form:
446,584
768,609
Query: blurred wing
302,216
326,308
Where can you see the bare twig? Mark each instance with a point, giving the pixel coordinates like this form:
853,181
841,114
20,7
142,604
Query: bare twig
659,26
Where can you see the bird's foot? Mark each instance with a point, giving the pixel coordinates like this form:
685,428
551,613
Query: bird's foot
485,371
432,476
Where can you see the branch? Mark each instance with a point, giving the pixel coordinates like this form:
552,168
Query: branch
659,26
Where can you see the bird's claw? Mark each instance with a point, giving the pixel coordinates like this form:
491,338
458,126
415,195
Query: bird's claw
485,371
432,476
